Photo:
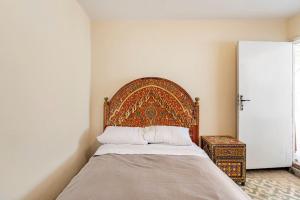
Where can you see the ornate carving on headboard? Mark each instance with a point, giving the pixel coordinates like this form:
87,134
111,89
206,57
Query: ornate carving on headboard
153,101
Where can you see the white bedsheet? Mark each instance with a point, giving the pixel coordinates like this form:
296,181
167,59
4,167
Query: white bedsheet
161,149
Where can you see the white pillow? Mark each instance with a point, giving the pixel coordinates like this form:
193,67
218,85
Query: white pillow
122,135
173,135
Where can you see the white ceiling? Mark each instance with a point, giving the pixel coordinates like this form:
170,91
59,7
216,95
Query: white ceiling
189,9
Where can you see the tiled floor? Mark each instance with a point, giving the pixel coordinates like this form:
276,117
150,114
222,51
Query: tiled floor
272,185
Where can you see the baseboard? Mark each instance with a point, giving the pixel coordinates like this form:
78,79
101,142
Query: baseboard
295,169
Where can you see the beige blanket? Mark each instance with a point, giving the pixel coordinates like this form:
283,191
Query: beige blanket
151,177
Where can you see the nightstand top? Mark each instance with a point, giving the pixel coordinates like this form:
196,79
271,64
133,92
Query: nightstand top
221,140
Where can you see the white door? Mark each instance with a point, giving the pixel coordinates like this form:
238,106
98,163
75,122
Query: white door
265,122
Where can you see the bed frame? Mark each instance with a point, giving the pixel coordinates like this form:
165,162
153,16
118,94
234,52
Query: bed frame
153,101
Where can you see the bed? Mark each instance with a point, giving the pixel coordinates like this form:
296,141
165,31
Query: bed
151,171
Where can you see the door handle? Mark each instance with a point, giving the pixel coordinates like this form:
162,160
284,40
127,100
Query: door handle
242,102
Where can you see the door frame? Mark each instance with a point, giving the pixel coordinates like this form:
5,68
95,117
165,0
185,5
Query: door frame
294,42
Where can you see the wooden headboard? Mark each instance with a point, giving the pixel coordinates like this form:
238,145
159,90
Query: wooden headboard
153,101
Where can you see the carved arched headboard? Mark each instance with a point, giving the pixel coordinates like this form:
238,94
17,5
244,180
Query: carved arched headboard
153,101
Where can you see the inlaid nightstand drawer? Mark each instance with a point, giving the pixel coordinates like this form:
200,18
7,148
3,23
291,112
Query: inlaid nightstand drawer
222,152
232,168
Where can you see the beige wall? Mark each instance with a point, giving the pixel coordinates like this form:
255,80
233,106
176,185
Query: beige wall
293,27
45,89
198,55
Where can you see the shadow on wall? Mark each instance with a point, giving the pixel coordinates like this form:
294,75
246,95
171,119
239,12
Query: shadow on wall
53,185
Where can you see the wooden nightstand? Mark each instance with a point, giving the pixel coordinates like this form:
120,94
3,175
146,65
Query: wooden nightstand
228,154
